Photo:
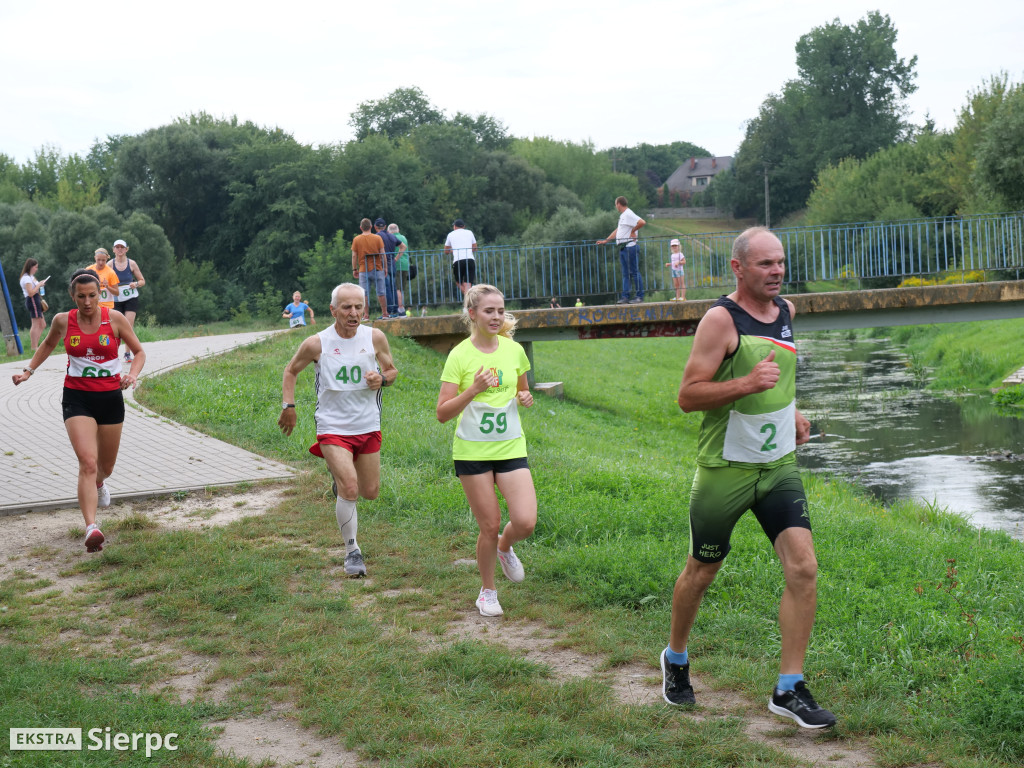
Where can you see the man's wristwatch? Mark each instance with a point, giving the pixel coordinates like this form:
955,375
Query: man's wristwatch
287,405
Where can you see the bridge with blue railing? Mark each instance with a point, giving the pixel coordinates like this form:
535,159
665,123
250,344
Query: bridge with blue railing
868,255
904,273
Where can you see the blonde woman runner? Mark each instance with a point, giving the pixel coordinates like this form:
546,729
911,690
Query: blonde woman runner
483,384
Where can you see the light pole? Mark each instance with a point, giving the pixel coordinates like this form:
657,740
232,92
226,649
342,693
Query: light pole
767,208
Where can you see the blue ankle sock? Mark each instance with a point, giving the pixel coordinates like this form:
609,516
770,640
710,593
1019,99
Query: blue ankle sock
788,682
676,658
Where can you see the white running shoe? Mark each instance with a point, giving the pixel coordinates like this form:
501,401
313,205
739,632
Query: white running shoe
355,567
511,566
93,538
488,604
103,496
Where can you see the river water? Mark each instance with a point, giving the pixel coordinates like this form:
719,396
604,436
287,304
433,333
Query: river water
872,422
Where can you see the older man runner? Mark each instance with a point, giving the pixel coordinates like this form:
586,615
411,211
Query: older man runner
353,363
742,374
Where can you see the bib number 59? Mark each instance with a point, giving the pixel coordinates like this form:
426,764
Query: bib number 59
491,423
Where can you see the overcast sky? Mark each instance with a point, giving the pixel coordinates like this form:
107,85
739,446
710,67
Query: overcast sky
614,73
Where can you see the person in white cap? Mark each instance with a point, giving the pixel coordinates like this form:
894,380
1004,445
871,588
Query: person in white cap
129,278
676,264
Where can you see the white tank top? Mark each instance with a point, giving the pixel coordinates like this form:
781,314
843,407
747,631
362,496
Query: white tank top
344,404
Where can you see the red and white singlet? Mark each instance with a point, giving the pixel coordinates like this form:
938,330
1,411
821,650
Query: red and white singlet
93,364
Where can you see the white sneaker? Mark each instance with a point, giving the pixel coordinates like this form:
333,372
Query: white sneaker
103,496
511,566
488,604
93,538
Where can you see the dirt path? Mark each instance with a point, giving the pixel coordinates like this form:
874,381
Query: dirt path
41,544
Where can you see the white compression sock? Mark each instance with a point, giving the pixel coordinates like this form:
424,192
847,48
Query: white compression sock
348,522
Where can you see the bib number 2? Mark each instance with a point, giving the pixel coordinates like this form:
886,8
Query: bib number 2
769,443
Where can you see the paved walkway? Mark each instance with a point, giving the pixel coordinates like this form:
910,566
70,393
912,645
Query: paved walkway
38,469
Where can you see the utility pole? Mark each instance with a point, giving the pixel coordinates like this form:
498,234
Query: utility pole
767,208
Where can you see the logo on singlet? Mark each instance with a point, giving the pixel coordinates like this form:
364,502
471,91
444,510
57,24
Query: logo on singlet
497,374
104,340
75,341
786,332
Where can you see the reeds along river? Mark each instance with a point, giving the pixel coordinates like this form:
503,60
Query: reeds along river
872,421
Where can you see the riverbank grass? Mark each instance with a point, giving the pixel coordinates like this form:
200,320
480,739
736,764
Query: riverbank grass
917,646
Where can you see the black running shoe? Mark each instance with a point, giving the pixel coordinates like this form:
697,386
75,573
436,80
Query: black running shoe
800,705
676,688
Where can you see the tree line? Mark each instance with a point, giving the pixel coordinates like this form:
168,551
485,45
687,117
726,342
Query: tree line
228,217
835,145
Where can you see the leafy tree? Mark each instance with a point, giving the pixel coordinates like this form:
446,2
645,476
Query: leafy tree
380,178
324,266
583,171
856,87
653,164
975,116
179,175
848,101
1000,156
64,241
570,224
908,180
283,194
512,196
490,132
397,114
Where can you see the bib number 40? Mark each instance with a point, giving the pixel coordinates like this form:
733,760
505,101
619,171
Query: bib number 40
352,375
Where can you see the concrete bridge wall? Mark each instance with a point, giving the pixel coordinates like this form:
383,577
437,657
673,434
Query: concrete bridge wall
814,312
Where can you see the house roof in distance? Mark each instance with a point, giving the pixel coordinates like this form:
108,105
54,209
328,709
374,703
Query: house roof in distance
682,177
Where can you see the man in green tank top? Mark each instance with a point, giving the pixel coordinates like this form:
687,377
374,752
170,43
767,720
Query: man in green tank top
742,374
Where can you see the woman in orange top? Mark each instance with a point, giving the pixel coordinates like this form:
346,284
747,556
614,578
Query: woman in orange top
93,405
108,278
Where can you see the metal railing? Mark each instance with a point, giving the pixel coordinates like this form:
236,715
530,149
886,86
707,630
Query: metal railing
861,255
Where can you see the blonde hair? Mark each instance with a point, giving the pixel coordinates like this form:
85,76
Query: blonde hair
472,301
101,250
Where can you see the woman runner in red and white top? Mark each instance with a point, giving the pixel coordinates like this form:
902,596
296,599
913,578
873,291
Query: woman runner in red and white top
92,403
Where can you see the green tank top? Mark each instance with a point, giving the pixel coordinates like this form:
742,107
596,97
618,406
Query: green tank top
757,430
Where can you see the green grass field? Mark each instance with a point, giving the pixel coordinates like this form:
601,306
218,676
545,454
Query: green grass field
918,646
677,227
